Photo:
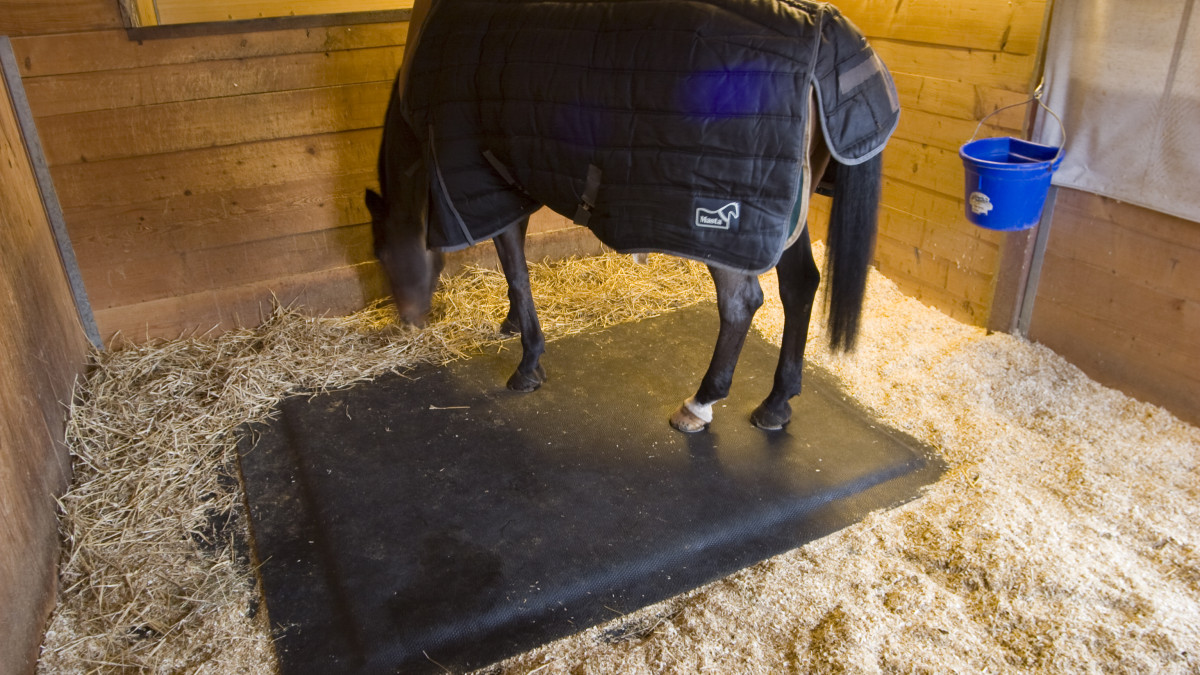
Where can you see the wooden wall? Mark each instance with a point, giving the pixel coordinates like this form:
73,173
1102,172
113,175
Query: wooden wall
205,174
42,350
953,62
1119,296
199,174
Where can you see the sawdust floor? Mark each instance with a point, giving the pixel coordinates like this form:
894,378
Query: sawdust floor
1063,538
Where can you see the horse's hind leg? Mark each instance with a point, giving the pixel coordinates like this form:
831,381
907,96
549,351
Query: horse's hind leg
798,279
738,298
522,315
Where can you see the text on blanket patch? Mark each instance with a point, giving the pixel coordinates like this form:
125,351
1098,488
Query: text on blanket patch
723,217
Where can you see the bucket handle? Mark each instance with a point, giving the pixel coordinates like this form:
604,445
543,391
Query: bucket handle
1037,96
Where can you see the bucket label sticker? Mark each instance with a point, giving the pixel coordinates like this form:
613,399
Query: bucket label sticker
980,204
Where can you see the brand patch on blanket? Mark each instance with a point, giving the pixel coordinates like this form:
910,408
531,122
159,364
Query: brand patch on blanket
717,214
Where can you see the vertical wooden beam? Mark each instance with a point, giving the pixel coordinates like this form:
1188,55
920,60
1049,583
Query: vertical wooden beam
42,351
139,13
37,158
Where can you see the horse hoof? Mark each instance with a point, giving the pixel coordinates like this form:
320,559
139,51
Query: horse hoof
768,420
683,420
527,382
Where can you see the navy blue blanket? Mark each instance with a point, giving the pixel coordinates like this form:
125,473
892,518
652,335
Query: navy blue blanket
662,125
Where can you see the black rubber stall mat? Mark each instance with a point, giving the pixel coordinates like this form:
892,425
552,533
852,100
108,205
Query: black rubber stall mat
437,521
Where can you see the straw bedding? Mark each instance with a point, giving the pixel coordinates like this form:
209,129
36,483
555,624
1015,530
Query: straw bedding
1062,539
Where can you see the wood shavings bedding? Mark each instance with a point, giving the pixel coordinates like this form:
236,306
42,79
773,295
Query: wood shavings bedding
1062,539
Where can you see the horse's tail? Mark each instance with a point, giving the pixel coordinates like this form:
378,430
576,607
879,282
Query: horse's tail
850,246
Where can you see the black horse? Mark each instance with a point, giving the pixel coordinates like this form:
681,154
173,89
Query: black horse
663,125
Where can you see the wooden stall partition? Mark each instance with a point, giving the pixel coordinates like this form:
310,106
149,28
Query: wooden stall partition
206,175
954,62
203,177
43,349
1119,296
39,17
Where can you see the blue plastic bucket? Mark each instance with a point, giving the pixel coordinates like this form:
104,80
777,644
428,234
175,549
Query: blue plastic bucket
1006,181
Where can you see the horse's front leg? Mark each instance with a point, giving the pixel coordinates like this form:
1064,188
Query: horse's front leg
738,298
798,280
522,315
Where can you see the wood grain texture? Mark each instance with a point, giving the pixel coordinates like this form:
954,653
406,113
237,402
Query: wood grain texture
1120,297
992,25
339,290
168,177
39,17
113,50
959,100
1001,70
190,11
954,64
69,93
216,168
174,127
42,350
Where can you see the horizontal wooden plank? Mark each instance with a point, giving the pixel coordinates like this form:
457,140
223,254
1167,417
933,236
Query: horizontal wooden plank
1138,258
901,226
925,278
113,283
39,17
974,24
190,11
972,288
992,69
139,180
903,257
1131,361
1132,217
1162,319
958,282
173,127
962,249
336,292
927,205
106,90
545,220
926,166
959,100
952,248
944,132
151,230
113,50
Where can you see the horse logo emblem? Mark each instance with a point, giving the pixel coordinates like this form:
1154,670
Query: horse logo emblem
721,218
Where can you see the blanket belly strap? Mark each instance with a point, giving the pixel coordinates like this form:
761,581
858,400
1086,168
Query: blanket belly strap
591,190
502,169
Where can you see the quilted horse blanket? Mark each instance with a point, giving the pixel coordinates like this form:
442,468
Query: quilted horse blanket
677,126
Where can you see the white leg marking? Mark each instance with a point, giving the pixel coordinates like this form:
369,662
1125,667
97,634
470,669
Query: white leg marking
703,411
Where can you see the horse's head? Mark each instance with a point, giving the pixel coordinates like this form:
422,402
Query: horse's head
412,269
